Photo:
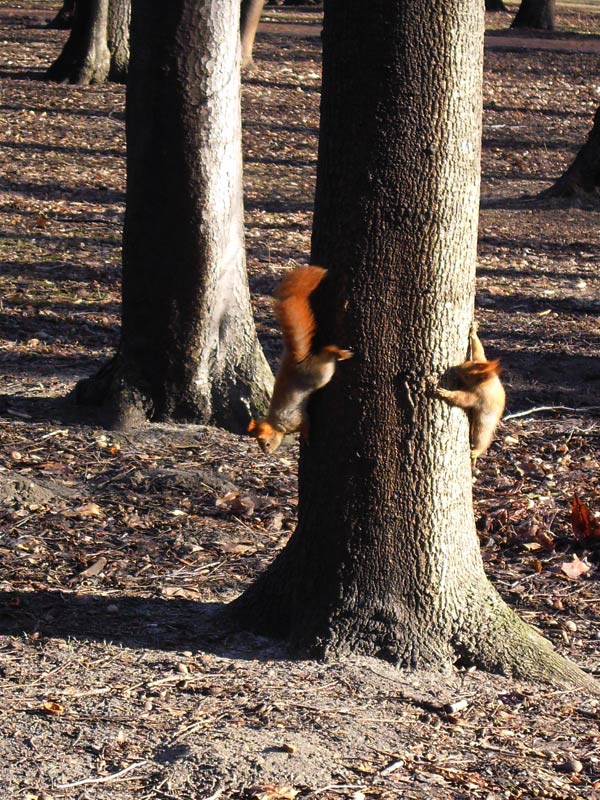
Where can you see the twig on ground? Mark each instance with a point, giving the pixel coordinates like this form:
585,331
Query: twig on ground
105,779
539,409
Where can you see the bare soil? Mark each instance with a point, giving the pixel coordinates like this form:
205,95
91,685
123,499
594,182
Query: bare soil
117,552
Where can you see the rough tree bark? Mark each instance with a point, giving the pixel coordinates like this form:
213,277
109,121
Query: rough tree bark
385,560
64,17
189,350
97,47
583,175
117,39
250,11
538,14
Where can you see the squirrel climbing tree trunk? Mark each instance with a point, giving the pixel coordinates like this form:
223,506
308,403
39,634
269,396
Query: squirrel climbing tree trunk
385,560
189,349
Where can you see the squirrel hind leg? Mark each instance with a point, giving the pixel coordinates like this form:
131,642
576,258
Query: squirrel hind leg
336,352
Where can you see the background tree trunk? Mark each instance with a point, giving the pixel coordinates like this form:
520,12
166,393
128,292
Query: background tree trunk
250,11
385,560
583,176
85,58
119,16
538,14
495,5
98,45
64,17
189,349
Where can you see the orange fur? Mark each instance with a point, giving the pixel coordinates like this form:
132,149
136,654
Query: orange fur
301,372
481,393
293,311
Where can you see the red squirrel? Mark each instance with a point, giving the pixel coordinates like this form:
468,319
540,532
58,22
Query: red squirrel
301,371
481,393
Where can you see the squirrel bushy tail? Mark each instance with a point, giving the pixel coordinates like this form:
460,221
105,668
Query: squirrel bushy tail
293,311
302,371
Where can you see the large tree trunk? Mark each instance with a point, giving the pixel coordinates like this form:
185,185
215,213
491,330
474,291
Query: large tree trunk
98,45
385,560
250,11
85,58
189,349
583,176
538,14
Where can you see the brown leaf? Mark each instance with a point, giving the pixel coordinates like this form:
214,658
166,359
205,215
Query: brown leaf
95,568
52,707
235,504
271,792
230,547
585,526
575,569
89,510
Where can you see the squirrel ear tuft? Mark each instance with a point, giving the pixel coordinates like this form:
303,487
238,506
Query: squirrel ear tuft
252,425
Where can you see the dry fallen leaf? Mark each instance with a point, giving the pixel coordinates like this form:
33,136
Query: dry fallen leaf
95,568
236,504
585,526
270,792
52,707
89,510
576,568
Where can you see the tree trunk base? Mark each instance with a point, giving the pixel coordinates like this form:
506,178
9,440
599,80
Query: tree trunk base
73,68
488,634
122,404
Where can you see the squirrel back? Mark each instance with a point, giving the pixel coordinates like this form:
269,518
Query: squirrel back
293,310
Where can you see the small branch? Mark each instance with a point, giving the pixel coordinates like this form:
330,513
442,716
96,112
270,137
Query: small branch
105,779
539,409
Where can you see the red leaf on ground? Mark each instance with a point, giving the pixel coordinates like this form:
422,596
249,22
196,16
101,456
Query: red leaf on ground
585,526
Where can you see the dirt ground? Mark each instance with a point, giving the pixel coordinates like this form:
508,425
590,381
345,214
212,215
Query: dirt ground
117,551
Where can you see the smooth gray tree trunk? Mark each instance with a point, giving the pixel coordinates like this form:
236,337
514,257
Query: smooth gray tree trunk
385,560
189,350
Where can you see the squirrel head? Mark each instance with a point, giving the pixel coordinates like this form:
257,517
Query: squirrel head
268,437
474,373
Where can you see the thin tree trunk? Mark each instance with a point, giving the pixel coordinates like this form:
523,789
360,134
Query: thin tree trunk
64,18
85,58
583,175
250,11
385,560
119,15
537,14
495,5
189,349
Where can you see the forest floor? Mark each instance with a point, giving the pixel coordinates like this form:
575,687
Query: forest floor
114,548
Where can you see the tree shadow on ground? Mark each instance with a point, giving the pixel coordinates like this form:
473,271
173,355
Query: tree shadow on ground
134,622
